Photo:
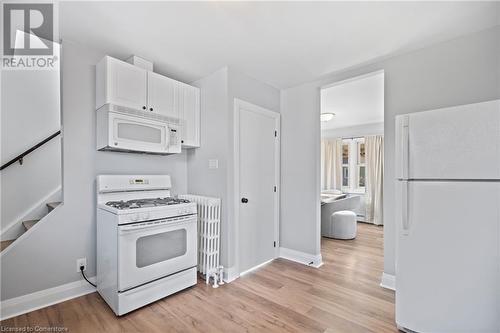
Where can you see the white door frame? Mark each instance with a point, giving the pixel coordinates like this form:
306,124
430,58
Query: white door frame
238,105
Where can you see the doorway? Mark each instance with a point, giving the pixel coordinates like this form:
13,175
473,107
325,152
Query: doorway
257,169
352,159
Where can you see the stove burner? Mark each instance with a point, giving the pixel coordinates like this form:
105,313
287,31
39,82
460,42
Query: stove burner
141,203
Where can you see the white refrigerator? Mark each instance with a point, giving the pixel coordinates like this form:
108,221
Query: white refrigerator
448,219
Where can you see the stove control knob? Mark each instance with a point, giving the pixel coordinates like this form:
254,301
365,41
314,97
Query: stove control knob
134,217
145,216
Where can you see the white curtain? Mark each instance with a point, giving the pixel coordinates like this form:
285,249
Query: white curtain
331,164
374,180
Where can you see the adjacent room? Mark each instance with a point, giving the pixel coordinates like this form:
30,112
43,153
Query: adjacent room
352,161
250,166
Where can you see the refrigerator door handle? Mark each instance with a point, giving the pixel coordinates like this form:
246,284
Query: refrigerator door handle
402,146
406,147
405,213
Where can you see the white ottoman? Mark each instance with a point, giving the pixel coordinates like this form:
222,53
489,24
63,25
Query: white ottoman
343,225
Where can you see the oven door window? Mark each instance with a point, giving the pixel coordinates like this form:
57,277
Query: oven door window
161,247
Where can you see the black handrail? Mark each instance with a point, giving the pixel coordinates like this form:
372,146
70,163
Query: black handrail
20,157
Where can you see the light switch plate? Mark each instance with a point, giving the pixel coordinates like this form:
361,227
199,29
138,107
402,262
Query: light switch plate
213,164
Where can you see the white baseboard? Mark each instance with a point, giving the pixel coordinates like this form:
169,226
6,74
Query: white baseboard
388,281
255,268
43,298
301,257
230,274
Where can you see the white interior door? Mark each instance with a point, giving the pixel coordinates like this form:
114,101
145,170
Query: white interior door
257,175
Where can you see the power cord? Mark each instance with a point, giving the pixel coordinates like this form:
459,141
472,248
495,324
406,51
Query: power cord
83,274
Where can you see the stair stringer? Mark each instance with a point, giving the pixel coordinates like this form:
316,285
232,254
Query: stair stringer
36,212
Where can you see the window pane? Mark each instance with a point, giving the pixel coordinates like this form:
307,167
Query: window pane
361,181
361,153
345,154
345,176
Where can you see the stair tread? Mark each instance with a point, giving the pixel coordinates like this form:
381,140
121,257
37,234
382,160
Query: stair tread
52,205
29,223
4,244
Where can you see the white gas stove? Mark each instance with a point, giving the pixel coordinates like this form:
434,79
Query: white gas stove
146,240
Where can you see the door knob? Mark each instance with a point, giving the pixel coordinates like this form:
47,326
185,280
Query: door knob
244,200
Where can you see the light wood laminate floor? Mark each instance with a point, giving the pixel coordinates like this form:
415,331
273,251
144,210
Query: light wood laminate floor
342,296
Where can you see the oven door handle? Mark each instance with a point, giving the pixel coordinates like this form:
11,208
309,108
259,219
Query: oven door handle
128,228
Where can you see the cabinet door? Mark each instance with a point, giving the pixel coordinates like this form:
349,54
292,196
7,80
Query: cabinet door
120,83
162,93
190,117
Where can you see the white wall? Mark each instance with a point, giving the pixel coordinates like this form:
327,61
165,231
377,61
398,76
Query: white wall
214,145
25,186
354,131
460,71
218,92
300,169
47,256
30,109
30,112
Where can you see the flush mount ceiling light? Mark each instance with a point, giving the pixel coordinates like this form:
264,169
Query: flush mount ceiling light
327,116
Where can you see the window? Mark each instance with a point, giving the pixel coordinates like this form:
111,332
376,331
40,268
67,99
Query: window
353,165
345,165
360,160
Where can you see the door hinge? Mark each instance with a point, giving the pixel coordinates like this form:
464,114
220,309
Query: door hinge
274,243
275,134
275,189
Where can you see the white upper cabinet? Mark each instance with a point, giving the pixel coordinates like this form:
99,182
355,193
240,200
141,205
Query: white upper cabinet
123,84
162,94
190,115
120,83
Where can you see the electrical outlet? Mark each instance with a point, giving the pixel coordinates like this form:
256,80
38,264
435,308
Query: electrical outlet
81,262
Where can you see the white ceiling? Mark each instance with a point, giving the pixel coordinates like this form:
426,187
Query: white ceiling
355,102
281,43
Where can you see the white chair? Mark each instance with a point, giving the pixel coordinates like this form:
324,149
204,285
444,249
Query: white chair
328,208
342,225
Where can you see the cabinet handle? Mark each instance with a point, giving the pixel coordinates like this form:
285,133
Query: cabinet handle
182,141
150,109
144,107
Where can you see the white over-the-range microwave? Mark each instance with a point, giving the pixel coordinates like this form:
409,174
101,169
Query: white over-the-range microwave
128,130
